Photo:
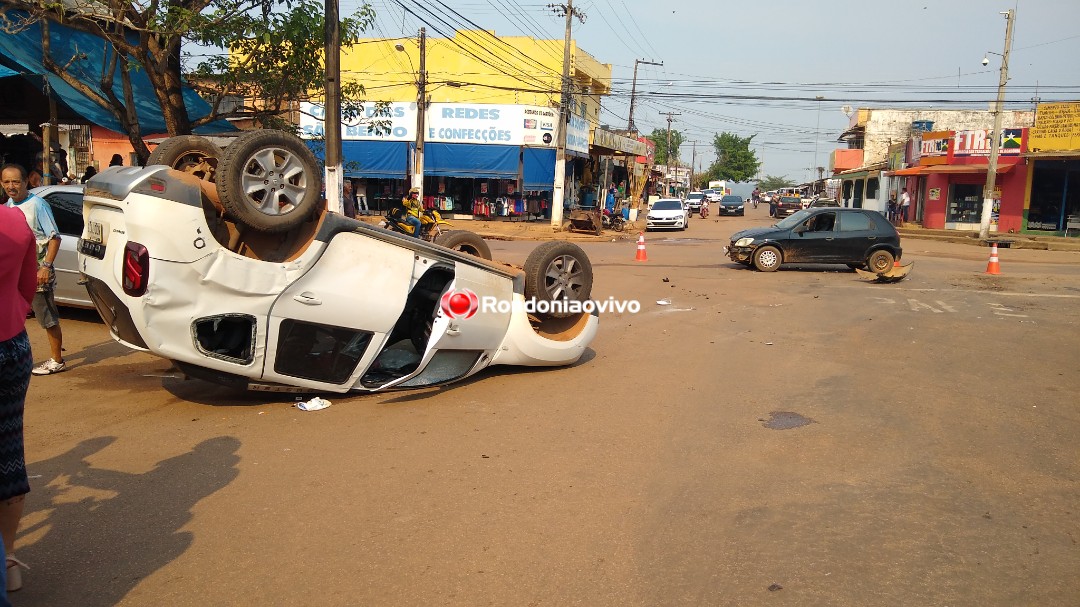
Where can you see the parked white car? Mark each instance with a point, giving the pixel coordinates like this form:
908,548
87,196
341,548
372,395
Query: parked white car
241,277
669,214
66,202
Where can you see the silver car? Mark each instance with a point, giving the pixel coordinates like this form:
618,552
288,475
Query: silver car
67,206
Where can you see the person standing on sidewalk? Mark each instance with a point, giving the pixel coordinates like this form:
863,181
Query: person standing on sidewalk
905,202
39,217
18,285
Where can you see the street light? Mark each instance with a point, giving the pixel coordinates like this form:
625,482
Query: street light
995,134
421,94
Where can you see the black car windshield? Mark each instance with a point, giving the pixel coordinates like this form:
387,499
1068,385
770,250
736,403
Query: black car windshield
731,199
667,205
793,220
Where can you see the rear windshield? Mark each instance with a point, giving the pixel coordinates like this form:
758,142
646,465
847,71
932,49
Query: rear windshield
667,205
694,196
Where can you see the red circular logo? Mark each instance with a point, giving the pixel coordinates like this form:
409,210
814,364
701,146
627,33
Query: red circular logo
459,304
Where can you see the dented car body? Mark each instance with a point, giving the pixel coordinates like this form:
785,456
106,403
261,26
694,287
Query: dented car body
332,305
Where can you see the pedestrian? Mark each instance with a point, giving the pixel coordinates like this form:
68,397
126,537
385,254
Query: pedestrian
360,191
18,282
116,161
39,217
905,202
90,172
894,210
609,201
348,199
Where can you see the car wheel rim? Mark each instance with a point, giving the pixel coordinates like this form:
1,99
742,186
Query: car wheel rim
564,278
768,259
274,181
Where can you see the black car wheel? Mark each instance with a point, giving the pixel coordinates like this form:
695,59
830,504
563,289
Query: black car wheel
269,181
466,242
191,154
558,270
767,259
880,261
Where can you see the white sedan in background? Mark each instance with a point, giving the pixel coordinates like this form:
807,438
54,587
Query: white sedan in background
667,214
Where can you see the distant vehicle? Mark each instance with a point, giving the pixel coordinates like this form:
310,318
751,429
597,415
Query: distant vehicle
732,205
67,207
667,214
784,206
714,195
767,197
856,237
822,202
694,200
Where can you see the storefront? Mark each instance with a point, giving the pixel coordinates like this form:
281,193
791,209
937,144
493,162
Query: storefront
613,158
479,159
1054,158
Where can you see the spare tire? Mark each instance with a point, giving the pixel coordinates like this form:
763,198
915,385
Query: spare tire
466,242
269,181
558,270
191,154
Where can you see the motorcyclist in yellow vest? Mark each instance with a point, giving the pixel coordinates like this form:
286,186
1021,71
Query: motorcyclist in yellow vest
413,209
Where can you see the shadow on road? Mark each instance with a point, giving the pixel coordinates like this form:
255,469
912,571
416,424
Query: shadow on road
90,535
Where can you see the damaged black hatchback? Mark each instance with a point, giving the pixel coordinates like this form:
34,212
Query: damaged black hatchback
858,238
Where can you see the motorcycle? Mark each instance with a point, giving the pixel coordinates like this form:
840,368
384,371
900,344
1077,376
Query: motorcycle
431,223
613,221
704,210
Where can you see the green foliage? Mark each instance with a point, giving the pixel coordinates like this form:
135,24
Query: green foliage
772,182
659,137
735,161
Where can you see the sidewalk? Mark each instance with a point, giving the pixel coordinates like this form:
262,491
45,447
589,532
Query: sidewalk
519,229
1014,241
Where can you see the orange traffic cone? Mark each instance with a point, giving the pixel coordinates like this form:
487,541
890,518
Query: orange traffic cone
993,267
896,263
641,256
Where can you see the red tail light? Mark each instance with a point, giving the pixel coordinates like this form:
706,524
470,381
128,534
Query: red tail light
136,269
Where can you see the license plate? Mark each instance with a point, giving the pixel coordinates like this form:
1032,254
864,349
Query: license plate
95,231
91,248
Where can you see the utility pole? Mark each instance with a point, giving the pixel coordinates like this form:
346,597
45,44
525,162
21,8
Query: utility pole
817,135
693,162
667,150
559,192
332,120
995,135
630,126
421,110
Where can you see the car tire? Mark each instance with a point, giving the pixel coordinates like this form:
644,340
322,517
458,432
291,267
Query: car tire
880,261
190,154
269,181
558,270
767,258
465,242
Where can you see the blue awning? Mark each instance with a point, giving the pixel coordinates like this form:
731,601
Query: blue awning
370,159
539,169
20,53
470,160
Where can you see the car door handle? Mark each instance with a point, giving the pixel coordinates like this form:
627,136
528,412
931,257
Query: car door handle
308,299
872,237
830,238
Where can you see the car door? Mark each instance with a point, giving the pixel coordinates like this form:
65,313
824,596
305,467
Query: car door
856,236
67,207
818,241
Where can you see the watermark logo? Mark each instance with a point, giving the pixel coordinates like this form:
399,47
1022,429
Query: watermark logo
461,303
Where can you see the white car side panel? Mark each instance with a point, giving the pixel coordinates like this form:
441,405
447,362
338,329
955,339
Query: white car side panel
523,346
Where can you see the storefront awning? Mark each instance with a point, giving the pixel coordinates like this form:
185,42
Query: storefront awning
608,143
370,159
965,168
539,169
472,160
909,172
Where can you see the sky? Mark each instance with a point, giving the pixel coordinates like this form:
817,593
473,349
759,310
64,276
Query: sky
757,68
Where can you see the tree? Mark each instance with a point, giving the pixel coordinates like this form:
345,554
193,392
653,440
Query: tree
772,182
735,161
276,54
659,137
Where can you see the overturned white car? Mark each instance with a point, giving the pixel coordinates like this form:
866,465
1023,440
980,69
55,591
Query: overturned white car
242,278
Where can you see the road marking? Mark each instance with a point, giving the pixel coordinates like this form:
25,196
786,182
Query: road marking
1001,310
917,305
981,292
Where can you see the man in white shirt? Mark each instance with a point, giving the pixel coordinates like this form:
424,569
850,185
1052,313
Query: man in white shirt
905,202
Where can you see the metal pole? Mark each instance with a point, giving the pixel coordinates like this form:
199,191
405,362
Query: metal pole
333,108
817,133
421,110
693,161
995,134
558,194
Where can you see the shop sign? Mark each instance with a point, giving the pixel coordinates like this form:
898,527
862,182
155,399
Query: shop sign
577,135
935,148
447,123
1057,127
896,156
612,141
935,193
978,142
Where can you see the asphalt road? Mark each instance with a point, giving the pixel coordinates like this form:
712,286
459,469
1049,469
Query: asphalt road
795,438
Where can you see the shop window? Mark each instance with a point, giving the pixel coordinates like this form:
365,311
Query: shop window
858,196
965,204
1055,195
872,188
